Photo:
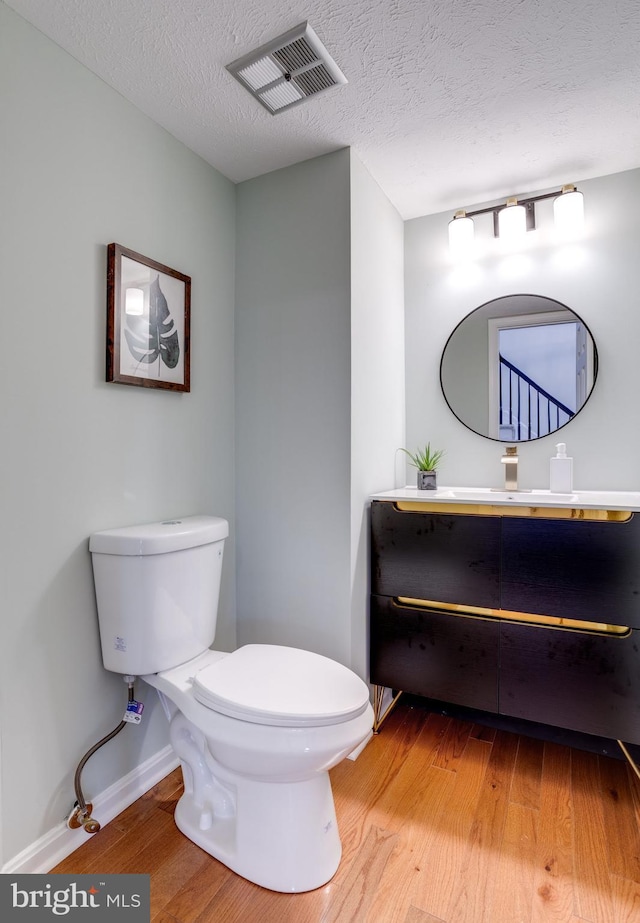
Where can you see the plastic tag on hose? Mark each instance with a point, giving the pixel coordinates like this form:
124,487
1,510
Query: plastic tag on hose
133,712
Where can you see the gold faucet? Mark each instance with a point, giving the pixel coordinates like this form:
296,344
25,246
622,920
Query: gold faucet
510,462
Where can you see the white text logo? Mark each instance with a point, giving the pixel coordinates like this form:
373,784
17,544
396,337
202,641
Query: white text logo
59,902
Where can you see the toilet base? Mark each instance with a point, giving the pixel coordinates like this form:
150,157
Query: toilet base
281,836
258,797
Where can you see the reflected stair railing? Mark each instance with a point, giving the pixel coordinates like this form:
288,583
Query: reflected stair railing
525,406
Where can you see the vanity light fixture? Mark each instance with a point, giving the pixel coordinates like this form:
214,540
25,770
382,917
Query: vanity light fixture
518,215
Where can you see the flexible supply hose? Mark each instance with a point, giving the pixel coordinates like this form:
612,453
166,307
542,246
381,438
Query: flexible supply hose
82,811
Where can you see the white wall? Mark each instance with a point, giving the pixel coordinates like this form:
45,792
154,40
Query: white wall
599,279
81,167
377,376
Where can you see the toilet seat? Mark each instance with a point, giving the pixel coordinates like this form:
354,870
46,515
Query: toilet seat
282,687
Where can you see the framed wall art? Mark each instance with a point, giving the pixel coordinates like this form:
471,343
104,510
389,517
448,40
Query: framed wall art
148,322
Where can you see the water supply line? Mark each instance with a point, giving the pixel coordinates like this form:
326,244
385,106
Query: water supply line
80,816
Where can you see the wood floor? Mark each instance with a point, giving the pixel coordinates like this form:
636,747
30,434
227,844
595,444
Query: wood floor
442,821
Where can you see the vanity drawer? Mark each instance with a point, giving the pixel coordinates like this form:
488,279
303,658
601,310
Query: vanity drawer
577,680
440,655
445,558
573,569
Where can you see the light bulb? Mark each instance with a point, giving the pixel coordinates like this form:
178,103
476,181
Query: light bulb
461,234
568,212
512,221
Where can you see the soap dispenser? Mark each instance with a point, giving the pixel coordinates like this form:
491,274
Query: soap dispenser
561,471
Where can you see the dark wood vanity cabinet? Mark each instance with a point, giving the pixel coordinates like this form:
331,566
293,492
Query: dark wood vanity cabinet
448,558
571,679
431,570
572,569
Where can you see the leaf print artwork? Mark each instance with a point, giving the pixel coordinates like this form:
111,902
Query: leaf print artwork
153,337
148,322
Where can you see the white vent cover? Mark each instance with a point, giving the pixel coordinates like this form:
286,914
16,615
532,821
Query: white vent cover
288,70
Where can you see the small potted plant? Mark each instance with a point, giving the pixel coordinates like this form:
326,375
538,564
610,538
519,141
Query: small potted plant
426,461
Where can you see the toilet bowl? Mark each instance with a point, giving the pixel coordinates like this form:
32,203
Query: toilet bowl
256,730
257,790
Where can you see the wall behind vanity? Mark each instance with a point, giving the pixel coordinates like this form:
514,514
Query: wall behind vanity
598,278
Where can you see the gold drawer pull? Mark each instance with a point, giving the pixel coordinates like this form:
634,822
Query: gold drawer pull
531,512
508,615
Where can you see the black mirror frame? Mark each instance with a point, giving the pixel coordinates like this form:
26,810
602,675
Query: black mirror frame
493,301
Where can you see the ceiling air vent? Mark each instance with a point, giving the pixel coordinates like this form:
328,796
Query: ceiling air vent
288,70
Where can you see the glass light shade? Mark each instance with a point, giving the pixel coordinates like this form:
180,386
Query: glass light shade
568,211
134,301
461,235
512,221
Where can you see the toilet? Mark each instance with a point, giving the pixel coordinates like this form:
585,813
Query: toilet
256,730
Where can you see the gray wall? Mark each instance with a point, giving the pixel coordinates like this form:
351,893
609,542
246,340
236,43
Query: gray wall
319,386
81,168
293,406
598,278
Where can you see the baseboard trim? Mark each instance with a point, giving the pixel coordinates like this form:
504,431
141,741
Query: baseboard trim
61,841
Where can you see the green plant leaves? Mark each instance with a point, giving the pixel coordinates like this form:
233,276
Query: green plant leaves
154,336
426,459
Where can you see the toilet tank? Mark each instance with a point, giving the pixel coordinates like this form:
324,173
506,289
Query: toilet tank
157,589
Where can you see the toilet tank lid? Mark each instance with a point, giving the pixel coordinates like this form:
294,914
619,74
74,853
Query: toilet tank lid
160,537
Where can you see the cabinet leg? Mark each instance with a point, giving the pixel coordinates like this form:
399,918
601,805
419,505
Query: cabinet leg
379,704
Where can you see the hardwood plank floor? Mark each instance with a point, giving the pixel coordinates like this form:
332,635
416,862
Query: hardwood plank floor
441,820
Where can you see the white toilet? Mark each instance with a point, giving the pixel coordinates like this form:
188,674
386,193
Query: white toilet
256,731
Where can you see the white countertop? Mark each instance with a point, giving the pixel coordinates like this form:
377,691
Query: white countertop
579,499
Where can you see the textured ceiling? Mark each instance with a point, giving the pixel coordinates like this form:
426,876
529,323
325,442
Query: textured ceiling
449,102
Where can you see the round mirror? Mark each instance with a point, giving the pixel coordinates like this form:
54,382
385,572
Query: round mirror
518,368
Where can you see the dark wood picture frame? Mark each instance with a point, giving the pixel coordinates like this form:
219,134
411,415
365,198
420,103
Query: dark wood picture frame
148,322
